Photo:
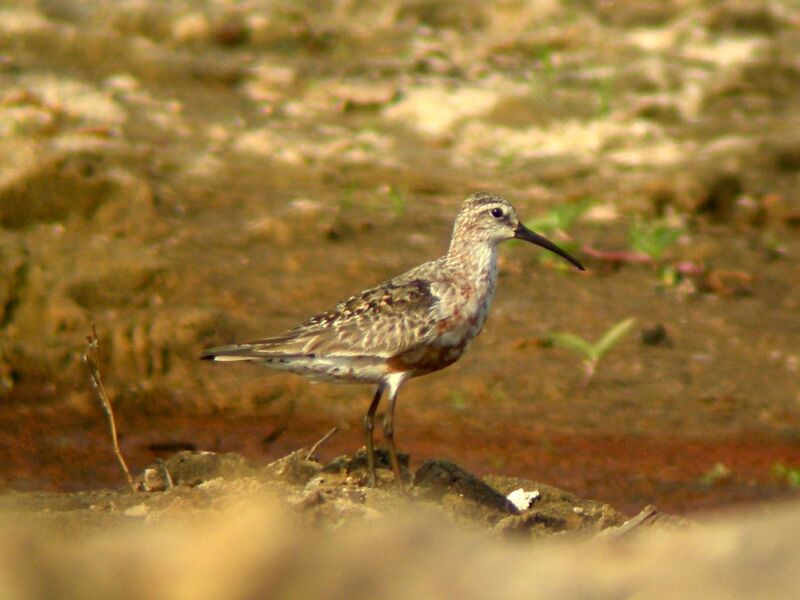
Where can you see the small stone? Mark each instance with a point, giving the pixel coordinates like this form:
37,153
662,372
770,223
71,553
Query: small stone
440,476
193,27
193,468
231,31
294,468
542,521
153,480
337,465
656,336
316,482
522,499
139,510
718,198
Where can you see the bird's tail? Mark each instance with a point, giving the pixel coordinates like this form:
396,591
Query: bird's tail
235,352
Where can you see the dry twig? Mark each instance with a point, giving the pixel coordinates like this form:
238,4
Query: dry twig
321,441
92,358
646,517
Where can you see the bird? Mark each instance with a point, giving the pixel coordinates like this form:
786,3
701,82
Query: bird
414,324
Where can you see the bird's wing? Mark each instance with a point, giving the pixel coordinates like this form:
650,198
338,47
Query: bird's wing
382,321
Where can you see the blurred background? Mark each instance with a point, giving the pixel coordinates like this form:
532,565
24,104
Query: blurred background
188,174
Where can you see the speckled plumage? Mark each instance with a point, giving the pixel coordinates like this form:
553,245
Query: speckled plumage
416,323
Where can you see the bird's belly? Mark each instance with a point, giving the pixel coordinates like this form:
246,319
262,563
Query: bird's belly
428,358
453,337
334,369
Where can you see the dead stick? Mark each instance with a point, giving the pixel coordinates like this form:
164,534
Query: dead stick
646,517
92,358
321,441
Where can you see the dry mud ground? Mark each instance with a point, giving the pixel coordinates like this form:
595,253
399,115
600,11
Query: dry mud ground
188,174
298,529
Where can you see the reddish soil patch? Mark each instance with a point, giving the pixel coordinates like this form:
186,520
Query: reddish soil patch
627,472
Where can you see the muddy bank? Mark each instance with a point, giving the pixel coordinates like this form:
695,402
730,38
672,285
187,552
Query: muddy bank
329,495
681,475
297,528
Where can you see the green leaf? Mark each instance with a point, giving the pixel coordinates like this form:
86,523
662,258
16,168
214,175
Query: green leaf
652,237
789,474
545,224
561,217
398,202
613,335
544,56
574,343
568,214
457,401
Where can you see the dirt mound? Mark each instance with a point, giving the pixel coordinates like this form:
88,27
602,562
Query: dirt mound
327,495
224,528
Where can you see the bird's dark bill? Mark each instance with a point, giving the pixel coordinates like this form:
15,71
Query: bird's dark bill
523,233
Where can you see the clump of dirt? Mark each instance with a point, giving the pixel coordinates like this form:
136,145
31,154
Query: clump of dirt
229,539
327,495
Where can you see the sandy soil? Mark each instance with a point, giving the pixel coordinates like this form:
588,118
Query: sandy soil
218,527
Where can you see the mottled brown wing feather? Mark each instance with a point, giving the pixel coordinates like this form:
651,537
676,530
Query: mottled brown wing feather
384,321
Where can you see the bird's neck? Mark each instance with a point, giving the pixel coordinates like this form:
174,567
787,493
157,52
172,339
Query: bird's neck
475,260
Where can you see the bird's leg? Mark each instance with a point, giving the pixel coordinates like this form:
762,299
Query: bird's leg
388,433
369,425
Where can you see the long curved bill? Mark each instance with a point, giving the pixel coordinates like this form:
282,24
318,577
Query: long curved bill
523,233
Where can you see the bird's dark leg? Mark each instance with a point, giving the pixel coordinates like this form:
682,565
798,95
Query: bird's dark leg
369,425
388,433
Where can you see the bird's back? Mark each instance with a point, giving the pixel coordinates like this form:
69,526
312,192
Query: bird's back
355,340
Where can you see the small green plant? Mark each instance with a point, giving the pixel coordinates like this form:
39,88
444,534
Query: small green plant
775,246
507,160
561,218
347,201
669,276
591,353
652,238
719,473
605,94
457,400
790,475
398,202
545,62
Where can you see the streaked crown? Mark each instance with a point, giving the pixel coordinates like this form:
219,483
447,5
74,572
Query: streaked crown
485,217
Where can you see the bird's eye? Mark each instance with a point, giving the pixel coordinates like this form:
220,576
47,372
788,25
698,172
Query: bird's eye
496,212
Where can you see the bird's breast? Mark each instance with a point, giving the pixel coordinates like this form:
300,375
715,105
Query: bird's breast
465,309
428,358
469,306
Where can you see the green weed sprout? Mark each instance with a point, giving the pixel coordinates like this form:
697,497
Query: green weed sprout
652,237
605,96
775,246
788,474
719,473
591,353
458,401
547,66
397,200
561,218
